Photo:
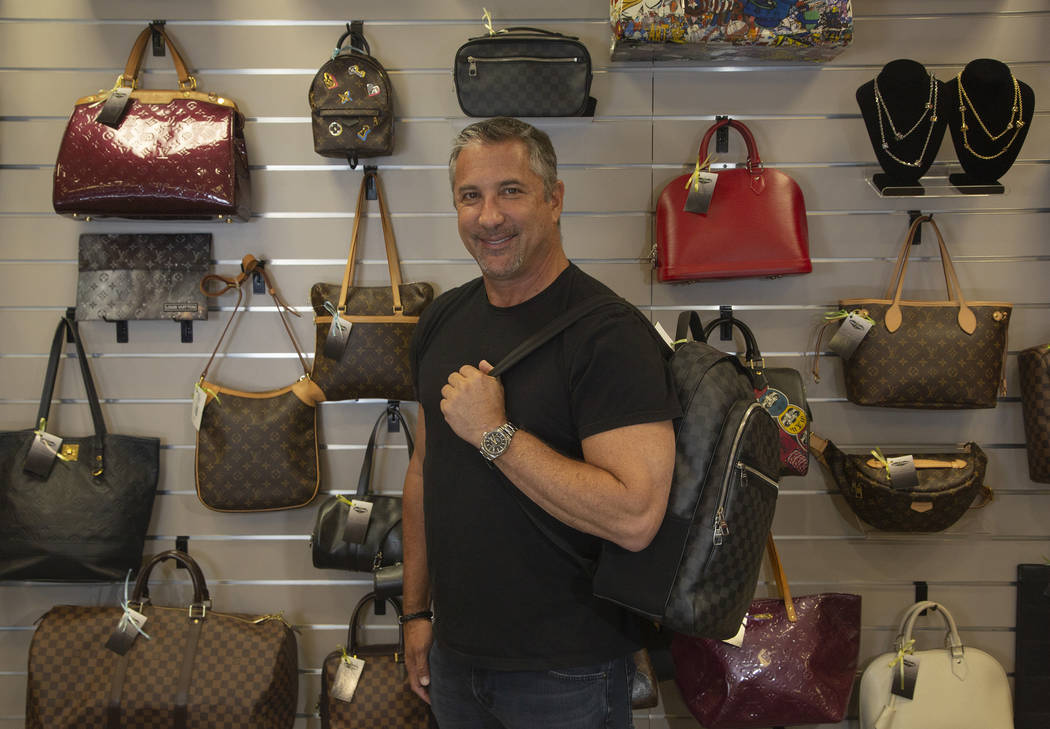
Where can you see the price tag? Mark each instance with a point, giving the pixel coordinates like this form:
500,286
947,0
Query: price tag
903,475
904,677
200,399
112,112
358,514
850,335
738,639
126,632
701,190
338,333
346,677
42,453
663,334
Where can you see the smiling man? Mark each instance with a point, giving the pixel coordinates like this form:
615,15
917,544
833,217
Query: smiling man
501,627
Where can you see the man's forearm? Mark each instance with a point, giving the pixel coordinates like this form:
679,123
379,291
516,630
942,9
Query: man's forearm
413,537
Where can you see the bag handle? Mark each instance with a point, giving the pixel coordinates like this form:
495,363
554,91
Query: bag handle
393,410
754,162
952,641
392,261
688,323
249,265
355,31
131,68
67,323
352,645
783,589
966,318
752,354
530,29
201,598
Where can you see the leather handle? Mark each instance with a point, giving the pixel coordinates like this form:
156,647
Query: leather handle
364,480
200,587
392,260
894,315
752,353
352,644
134,64
753,160
65,324
541,31
781,578
357,38
952,639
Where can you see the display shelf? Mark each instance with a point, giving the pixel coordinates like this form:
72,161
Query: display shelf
937,183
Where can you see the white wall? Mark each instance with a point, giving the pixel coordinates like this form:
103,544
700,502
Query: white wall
650,119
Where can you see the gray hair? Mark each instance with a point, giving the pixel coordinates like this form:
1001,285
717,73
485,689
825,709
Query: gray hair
542,158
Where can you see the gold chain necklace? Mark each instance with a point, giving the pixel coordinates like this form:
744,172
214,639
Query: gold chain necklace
882,110
1016,122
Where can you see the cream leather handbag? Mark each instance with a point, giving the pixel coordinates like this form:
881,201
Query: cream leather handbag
954,687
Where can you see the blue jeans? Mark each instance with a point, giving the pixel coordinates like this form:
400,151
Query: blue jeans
585,697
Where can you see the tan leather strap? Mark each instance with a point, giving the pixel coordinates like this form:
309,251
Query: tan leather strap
131,68
249,265
778,573
966,318
393,262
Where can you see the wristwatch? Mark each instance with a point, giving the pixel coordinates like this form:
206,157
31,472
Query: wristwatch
496,442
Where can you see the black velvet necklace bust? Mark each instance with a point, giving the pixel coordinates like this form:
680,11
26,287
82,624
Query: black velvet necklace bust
903,109
997,110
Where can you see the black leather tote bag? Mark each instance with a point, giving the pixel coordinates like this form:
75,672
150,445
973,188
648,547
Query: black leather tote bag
74,508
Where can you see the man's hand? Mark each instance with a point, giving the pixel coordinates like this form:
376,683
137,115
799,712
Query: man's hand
473,403
419,635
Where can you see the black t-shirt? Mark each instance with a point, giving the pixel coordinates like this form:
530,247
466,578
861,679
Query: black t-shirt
505,597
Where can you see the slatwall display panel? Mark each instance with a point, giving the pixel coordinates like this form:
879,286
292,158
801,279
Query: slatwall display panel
649,122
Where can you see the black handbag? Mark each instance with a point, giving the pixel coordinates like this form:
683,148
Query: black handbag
126,276
74,508
351,102
332,543
523,71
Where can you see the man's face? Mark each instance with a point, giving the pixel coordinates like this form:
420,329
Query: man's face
504,220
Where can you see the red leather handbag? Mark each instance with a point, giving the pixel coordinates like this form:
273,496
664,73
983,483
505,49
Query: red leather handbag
755,224
151,153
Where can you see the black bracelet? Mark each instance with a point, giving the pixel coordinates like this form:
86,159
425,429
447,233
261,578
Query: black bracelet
421,615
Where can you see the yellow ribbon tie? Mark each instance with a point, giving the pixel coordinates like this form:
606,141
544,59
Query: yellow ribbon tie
348,502
694,179
487,17
834,315
882,459
907,648
213,393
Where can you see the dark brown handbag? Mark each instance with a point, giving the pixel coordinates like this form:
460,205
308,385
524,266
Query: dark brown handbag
383,698
198,667
272,435
928,354
151,153
796,665
365,354
948,485
1034,364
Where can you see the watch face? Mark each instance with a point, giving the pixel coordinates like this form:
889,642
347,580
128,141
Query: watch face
495,442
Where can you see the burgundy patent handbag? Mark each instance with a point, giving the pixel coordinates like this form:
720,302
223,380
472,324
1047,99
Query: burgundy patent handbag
755,224
150,153
796,665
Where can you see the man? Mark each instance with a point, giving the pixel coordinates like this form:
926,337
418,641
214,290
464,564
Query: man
582,428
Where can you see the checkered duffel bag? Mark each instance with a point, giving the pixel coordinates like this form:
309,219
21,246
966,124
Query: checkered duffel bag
1034,363
98,667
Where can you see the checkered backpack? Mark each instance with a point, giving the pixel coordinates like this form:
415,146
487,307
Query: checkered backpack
351,104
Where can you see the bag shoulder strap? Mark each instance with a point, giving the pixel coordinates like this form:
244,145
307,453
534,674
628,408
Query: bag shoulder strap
393,262
68,324
249,265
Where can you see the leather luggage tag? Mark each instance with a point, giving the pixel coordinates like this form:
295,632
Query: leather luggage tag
346,677
904,677
42,454
903,475
849,336
358,514
200,399
126,632
701,189
112,113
